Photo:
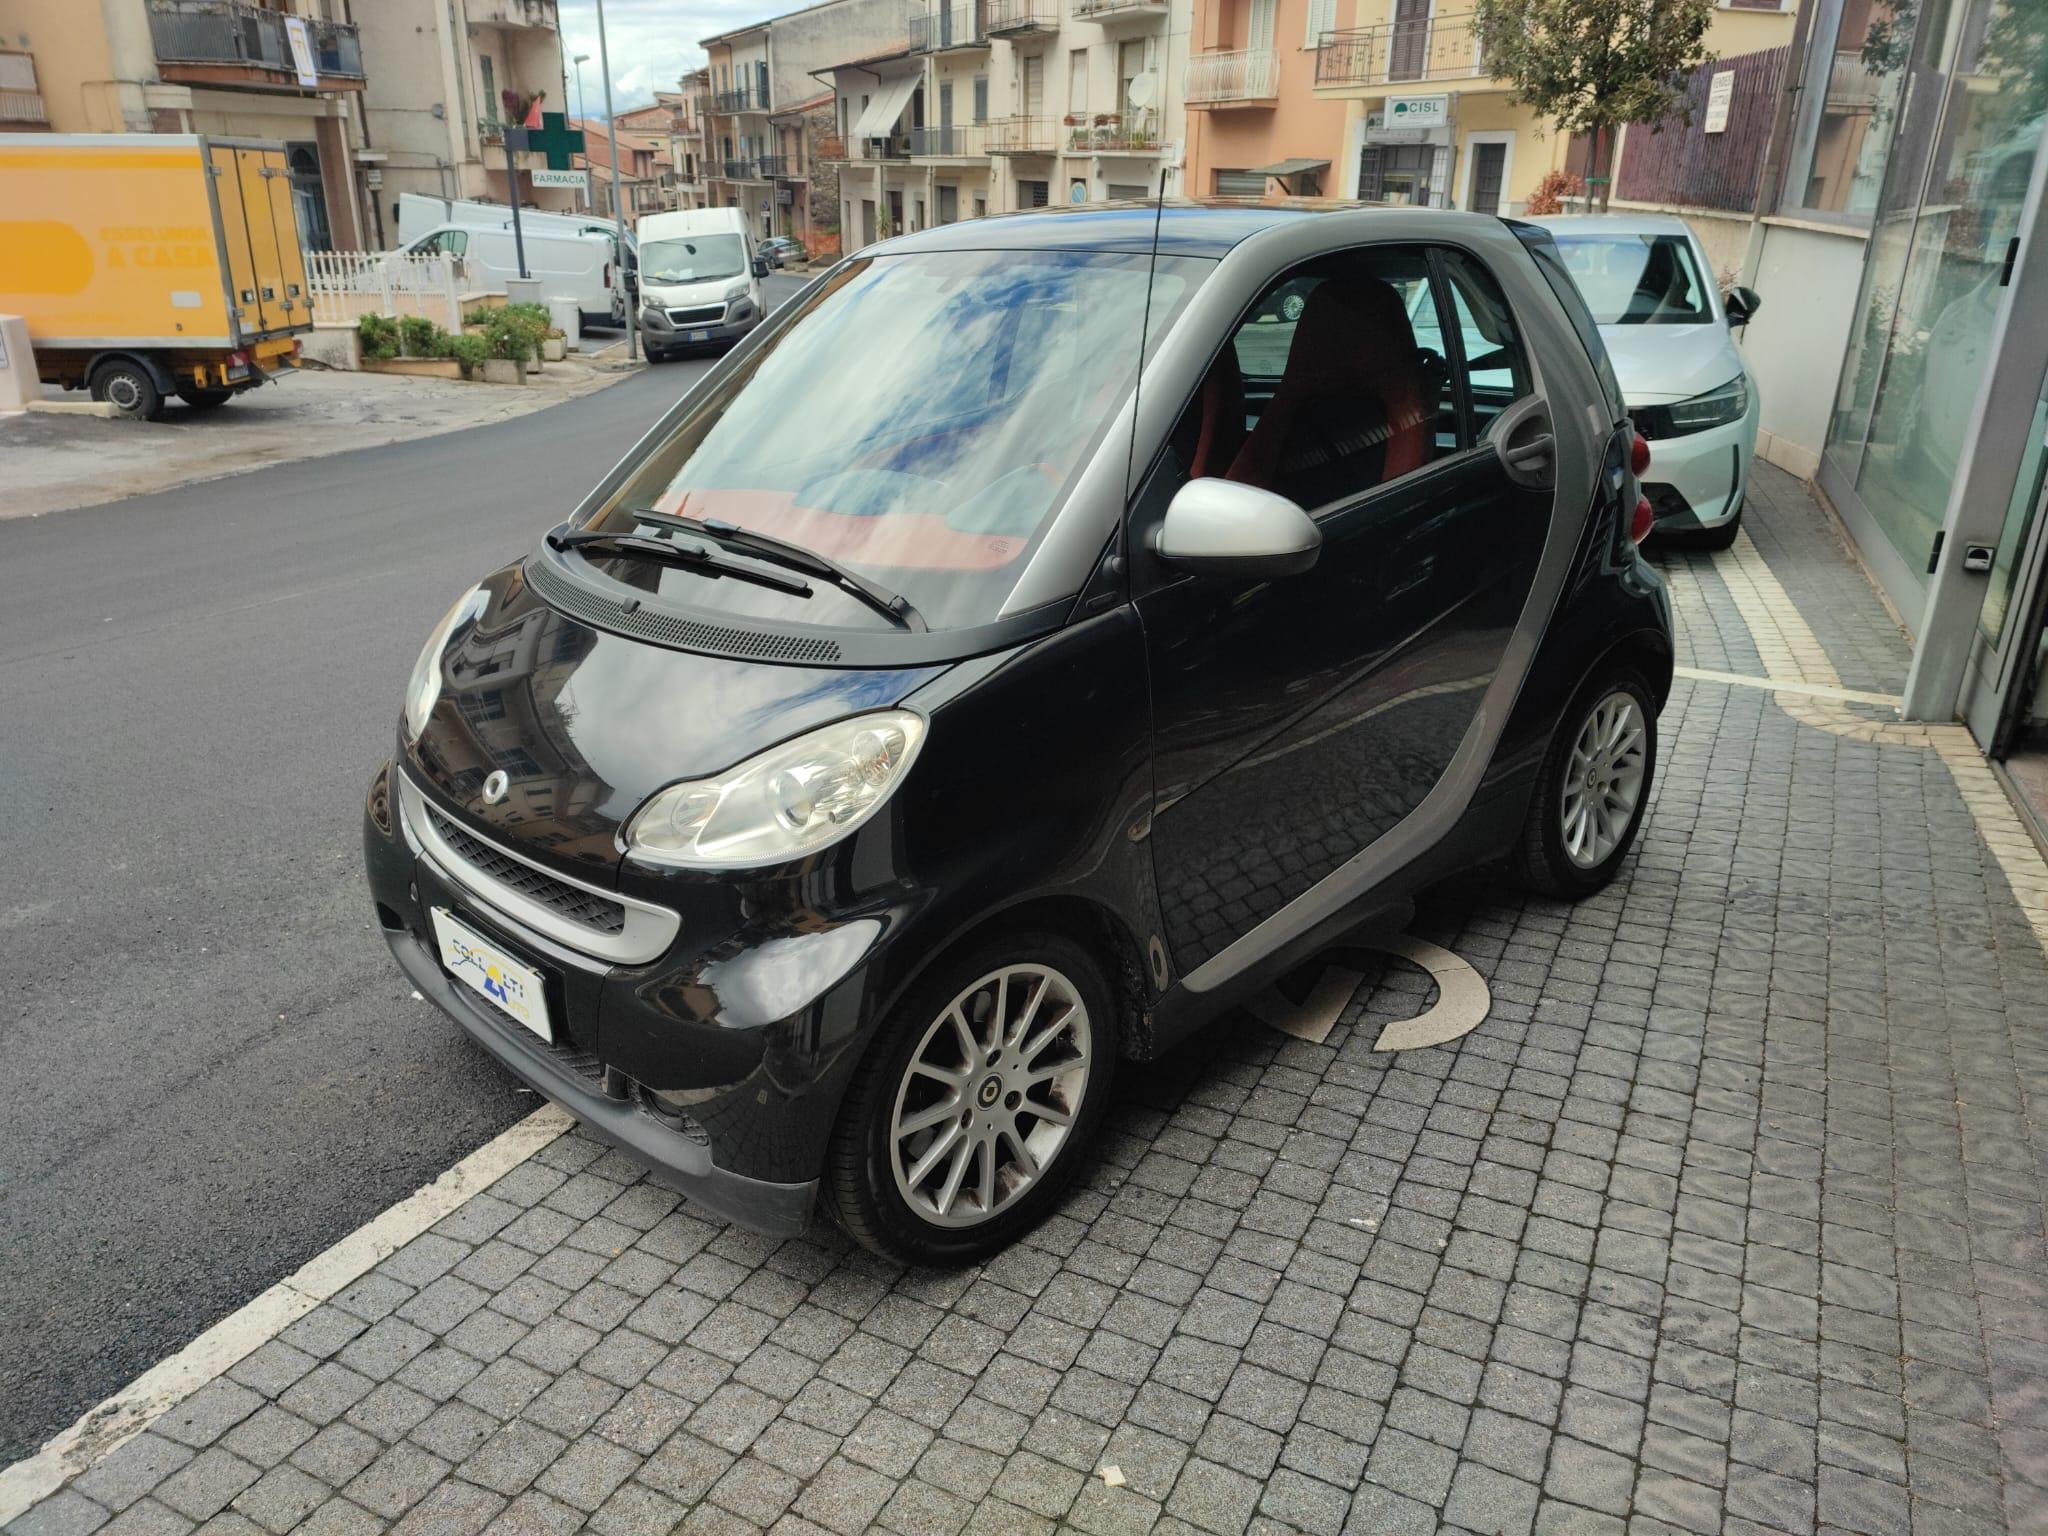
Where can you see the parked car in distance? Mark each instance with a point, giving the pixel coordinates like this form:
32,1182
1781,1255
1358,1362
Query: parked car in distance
1672,339
887,749
699,284
781,251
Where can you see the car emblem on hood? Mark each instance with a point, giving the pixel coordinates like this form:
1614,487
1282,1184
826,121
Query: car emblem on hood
496,787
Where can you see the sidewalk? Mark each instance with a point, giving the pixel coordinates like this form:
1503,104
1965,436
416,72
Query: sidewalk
1727,1219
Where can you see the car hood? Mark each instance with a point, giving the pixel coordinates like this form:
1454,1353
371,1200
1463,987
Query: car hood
1658,364
587,724
687,295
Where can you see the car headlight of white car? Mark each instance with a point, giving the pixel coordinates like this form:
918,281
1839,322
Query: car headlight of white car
1715,408
424,690
791,800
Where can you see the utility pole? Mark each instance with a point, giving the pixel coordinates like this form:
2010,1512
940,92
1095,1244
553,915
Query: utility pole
629,272
582,117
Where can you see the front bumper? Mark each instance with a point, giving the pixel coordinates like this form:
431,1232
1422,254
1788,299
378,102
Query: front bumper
1697,480
747,1144
657,331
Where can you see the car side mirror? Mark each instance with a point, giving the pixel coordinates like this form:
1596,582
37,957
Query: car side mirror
1220,528
760,266
1741,304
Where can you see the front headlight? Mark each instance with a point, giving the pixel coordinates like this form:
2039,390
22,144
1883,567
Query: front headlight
1715,408
784,803
738,290
425,687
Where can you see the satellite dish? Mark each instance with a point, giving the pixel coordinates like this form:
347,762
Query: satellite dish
1140,91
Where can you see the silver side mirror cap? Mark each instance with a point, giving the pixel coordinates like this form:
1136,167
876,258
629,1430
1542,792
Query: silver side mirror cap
1220,528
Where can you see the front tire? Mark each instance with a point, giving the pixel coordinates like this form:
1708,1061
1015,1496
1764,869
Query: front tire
129,386
1593,788
971,1111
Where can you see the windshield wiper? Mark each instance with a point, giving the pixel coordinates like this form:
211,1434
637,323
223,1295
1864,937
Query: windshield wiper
693,557
794,557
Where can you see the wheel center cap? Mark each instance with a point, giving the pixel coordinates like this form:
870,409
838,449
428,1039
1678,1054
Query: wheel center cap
990,1090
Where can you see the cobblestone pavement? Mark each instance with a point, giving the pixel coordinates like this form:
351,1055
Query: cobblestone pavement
1728,1219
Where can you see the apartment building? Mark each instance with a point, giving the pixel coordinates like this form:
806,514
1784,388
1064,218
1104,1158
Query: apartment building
990,105
288,71
689,139
446,76
767,108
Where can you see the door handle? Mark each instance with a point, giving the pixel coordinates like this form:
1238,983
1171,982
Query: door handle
1531,452
1526,444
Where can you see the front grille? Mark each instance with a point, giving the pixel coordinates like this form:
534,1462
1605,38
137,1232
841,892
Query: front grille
597,913
710,314
663,629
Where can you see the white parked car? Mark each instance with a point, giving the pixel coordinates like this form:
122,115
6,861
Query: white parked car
1672,340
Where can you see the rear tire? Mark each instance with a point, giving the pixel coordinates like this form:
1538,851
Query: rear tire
205,399
1593,789
937,1157
126,384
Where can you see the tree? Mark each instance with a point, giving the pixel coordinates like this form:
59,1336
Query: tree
1593,65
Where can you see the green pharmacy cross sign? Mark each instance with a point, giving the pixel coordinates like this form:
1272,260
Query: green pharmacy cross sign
553,138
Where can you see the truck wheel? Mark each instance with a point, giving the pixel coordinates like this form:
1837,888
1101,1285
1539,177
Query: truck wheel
129,386
974,1104
204,399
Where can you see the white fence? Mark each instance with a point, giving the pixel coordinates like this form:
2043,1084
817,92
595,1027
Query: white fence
347,285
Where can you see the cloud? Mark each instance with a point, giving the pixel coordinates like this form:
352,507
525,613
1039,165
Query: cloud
652,42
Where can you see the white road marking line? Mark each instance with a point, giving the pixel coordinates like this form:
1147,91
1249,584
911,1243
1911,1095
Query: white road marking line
1778,685
169,1382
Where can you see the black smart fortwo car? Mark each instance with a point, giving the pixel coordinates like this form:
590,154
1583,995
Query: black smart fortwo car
941,705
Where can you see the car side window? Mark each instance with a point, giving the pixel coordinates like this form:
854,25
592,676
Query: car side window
1490,358
455,241
1326,390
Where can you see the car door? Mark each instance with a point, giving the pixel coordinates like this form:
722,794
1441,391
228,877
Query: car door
1299,719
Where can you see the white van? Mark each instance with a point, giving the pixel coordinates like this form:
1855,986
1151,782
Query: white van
572,256
700,281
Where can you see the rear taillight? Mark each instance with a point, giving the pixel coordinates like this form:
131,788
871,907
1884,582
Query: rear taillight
239,359
1639,457
1639,525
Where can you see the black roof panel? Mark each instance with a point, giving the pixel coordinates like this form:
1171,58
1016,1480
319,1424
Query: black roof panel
1186,227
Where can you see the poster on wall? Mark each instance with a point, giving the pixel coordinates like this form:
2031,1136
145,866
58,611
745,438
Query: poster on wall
1720,95
302,51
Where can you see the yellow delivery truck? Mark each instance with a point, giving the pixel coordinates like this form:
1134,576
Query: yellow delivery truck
149,265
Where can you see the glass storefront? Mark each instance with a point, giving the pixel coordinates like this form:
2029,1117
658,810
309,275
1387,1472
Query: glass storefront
1967,87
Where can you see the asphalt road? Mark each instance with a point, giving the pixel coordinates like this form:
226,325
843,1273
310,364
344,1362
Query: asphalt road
209,1067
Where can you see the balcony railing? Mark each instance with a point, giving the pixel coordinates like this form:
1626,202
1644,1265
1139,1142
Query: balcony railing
1425,48
939,27
22,107
772,166
1134,132
744,169
895,147
1236,78
1023,136
960,142
228,33
1117,10
514,13
1007,18
746,98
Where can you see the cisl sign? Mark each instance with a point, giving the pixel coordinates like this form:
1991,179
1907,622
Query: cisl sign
1418,111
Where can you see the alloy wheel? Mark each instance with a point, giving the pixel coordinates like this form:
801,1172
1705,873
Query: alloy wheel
1603,782
990,1096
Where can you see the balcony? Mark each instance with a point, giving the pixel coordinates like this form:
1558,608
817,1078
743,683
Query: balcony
963,141
528,15
225,42
21,98
741,170
1113,133
1400,52
746,98
1243,77
774,166
1015,18
1110,13
895,147
1023,136
940,27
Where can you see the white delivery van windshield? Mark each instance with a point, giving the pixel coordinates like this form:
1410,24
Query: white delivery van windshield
693,259
920,419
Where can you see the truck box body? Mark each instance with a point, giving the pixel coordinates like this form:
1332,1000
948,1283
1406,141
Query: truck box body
172,248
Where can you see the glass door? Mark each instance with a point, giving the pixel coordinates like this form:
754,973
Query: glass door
2009,626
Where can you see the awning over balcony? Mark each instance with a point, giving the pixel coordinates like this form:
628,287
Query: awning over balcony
879,120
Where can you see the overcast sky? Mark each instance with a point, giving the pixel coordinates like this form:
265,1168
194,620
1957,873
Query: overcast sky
652,42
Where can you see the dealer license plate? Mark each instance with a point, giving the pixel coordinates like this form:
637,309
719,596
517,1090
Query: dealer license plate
481,966
700,335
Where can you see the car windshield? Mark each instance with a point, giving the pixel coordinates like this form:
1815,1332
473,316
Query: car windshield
1636,279
919,420
693,259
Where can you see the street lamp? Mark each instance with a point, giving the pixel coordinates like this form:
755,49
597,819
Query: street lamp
582,117
604,63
